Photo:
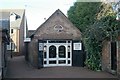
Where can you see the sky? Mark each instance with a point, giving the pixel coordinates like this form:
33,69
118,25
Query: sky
37,10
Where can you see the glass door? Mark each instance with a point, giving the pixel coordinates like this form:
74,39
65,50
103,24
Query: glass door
62,56
57,54
52,55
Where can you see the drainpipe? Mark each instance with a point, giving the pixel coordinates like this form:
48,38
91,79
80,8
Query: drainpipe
11,49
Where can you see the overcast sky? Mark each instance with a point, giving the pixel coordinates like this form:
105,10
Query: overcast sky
37,10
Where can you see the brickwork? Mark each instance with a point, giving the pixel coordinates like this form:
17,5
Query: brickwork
48,30
33,52
57,27
106,56
118,58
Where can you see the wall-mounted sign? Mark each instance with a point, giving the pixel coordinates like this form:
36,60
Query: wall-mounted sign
11,46
40,46
77,46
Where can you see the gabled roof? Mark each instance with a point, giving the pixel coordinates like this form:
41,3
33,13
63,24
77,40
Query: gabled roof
30,33
65,29
18,12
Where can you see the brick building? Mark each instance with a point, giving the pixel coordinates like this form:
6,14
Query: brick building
57,42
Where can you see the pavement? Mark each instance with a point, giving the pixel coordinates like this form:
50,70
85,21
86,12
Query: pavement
19,68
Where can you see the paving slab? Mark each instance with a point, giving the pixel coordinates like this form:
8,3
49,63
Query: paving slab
18,68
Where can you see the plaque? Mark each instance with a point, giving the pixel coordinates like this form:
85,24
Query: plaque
40,46
77,46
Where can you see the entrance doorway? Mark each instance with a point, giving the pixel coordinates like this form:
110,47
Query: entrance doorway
113,55
57,54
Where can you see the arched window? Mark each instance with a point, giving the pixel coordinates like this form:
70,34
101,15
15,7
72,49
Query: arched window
52,52
62,52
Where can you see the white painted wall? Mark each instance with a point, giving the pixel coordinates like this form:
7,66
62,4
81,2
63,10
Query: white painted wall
12,17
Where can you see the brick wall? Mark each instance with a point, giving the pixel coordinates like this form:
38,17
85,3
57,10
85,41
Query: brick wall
106,56
33,52
21,37
48,31
118,58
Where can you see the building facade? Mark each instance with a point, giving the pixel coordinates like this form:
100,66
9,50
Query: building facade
57,42
18,30
4,41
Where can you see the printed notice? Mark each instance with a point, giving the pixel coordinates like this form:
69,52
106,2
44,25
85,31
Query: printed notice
77,46
40,46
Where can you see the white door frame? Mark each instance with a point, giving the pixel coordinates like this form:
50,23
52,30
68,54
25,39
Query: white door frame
57,59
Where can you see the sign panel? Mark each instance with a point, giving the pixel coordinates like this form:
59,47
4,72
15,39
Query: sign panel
77,46
11,46
40,46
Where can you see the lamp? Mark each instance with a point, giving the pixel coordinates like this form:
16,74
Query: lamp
45,48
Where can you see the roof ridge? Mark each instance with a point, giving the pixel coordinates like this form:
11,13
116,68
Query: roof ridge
49,18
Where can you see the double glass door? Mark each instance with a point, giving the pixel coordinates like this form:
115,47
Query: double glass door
57,55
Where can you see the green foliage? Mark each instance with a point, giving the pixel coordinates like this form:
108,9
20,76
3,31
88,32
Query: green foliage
93,47
97,22
106,10
83,14
110,27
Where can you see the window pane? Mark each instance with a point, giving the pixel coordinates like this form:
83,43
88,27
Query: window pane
68,61
52,62
62,52
52,52
45,62
62,61
45,56
68,54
